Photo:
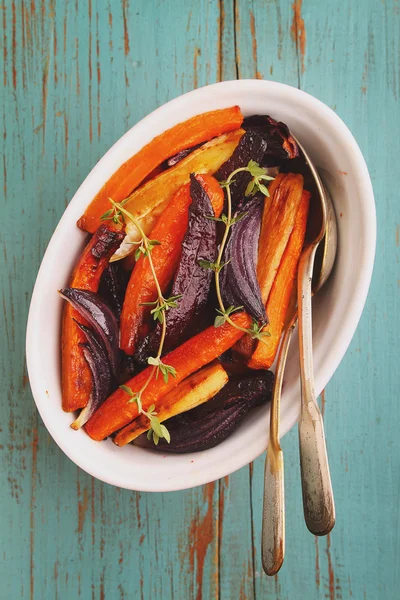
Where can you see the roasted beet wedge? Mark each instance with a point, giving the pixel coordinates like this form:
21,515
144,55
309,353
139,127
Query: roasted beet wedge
211,423
99,365
252,146
113,285
100,318
280,143
267,142
192,281
239,285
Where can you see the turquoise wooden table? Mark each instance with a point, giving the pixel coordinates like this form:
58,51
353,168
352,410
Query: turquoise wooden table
76,75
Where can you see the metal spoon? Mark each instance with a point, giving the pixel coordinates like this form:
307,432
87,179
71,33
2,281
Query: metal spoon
273,533
318,503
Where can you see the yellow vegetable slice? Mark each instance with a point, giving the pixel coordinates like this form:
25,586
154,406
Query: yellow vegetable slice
191,392
148,202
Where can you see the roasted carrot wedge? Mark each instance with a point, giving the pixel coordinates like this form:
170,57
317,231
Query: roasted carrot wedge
117,411
281,292
278,220
198,129
76,377
214,192
149,201
169,231
191,392
277,224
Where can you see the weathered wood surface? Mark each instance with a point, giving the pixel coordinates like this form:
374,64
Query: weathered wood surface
76,75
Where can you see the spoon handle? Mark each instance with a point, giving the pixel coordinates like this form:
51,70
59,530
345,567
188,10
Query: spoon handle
318,503
273,524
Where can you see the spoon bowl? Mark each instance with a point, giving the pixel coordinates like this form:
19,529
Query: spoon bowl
326,251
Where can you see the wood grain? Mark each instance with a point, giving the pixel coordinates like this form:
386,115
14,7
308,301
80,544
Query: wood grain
76,75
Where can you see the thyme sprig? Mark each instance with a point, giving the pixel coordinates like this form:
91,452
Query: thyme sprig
162,305
118,214
157,429
223,315
259,174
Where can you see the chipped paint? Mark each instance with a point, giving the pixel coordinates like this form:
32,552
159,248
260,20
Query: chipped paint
98,70
5,53
201,534
280,30
45,91
298,32
254,45
197,54
83,504
25,378
137,502
126,31
221,26
364,79
35,441
331,573
317,570
236,36
90,101
102,593
14,46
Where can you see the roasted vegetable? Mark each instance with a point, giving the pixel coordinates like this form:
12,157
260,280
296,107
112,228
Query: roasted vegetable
191,281
277,224
191,392
212,189
99,365
163,293
252,146
171,162
100,317
280,143
278,220
169,232
117,411
151,199
113,286
211,423
239,285
200,128
128,367
155,173
76,377
282,290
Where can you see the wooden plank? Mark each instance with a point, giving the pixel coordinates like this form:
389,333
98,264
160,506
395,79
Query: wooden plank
77,75
255,24
270,52
348,56
235,514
